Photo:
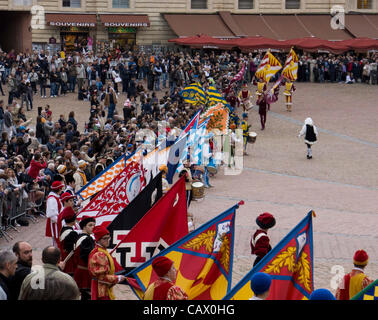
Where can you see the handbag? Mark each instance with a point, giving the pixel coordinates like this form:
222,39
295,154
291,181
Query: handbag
117,79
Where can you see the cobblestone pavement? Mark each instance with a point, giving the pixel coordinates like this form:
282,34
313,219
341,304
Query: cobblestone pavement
340,183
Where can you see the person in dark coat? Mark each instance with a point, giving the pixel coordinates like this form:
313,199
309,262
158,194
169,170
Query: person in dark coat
8,266
24,253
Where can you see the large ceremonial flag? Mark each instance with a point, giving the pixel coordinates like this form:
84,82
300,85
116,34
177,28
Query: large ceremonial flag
164,224
109,202
175,153
194,94
290,263
203,259
268,67
101,180
290,70
240,75
192,124
369,293
214,96
130,216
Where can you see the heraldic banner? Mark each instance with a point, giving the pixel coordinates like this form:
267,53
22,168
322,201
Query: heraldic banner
203,260
290,263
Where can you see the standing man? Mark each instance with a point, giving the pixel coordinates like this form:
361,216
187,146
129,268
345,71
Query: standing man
356,280
8,265
245,127
24,254
53,208
83,247
244,97
164,288
101,266
8,122
260,243
80,176
262,103
67,239
288,93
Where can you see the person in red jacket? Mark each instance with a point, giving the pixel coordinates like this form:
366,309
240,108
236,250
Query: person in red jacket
164,288
260,243
37,164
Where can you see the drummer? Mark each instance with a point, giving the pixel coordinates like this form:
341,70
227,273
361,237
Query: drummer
245,127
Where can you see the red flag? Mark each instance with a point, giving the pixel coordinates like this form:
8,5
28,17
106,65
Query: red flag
160,227
109,202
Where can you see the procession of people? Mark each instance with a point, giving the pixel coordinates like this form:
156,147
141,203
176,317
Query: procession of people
54,160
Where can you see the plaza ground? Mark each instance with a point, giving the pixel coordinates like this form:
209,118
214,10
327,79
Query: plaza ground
340,183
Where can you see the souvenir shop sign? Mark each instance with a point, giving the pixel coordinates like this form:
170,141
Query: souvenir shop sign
121,30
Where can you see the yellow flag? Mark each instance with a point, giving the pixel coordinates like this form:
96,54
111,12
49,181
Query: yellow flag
290,70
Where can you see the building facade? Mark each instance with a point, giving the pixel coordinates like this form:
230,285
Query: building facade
53,24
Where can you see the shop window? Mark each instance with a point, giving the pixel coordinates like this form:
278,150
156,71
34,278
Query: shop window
72,3
199,4
22,2
121,4
292,4
364,4
245,4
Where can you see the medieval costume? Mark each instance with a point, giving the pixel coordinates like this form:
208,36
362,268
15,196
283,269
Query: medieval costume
260,243
53,208
101,266
288,92
244,97
83,247
311,135
356,280
164,288
67,240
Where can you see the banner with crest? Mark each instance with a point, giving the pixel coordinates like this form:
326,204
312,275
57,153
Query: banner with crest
290,263
109,202
203,260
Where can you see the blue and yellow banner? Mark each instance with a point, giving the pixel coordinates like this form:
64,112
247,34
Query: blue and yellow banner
194,94
369,293
290,264
203,260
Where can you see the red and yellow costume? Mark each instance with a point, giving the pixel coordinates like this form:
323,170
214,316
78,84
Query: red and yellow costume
289,89
356,280
244,96
84,245
102,267
164,289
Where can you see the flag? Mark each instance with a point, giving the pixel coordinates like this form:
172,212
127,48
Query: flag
290,263
194,94
214,96
174,157
165,223
110,201
272,95
369,293
192,124
203,259
268,67
239,76
101,180
129,217
290,70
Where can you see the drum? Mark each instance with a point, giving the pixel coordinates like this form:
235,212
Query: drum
212,169
198,190
252,137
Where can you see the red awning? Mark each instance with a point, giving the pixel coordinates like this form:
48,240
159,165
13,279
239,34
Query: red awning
125,20
203,41
361,44
261,43
313,44
188,25
71,20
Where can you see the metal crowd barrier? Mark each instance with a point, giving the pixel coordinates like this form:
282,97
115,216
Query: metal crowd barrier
12,207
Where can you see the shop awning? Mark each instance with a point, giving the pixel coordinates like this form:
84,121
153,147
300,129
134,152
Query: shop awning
187,25
253,25
361,25
319,25
125,20
71,20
